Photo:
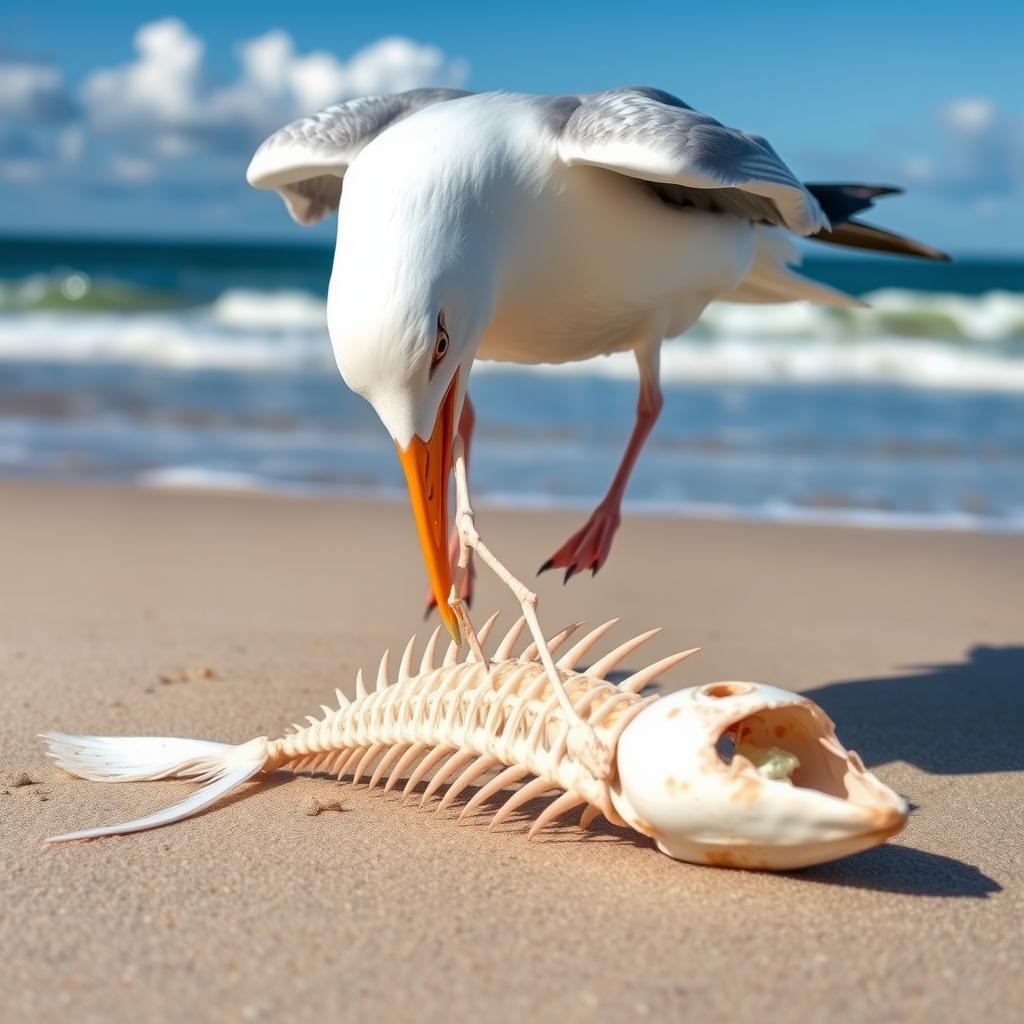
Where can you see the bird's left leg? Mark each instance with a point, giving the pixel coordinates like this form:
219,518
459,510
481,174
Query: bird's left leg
583,741
589,547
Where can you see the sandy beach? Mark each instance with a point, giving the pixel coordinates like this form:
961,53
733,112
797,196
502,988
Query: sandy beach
229,616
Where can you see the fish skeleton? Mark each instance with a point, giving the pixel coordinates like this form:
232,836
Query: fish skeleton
732,774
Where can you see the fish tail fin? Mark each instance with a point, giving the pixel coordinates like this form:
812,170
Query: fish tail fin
222,766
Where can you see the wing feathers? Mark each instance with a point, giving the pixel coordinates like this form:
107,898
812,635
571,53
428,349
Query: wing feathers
640,133
306,159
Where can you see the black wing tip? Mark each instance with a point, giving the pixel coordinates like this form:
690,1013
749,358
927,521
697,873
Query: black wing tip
860,189
841,201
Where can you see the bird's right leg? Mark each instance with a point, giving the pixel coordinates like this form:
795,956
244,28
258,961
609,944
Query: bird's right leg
588,548
467,421
583,741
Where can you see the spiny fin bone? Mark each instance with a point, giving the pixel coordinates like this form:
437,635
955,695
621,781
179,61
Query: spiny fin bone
601,668
538,787
638,680
504,650
530,653
386,762
353,756
451,655
459,759
437,754
430,652
416,751
405,668
514,773
366,760
571,658
566,802
483,633
484,763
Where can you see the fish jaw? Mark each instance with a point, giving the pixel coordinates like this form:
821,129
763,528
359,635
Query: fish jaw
706,804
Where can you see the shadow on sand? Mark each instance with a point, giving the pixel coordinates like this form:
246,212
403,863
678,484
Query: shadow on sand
902,869
952,719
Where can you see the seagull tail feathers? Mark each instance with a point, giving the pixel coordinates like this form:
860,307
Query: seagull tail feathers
771,277
841,202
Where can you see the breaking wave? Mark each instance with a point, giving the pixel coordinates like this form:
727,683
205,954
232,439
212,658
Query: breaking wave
914,339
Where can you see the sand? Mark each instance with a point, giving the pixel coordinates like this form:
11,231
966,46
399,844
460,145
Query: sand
224,617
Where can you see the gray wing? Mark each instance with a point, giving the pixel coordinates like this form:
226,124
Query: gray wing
688,158
306,160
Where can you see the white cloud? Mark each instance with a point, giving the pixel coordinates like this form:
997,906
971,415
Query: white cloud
981,157
164,117
160,87
969,114
396,64
20,171
318,79
35,111
132,170
71,143
32,91
163,106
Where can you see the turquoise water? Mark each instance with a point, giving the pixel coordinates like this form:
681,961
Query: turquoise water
204,364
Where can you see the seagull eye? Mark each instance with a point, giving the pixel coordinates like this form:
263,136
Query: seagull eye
440,344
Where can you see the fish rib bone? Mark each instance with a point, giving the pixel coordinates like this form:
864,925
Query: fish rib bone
467,719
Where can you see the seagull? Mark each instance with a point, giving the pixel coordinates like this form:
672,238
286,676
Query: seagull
539,229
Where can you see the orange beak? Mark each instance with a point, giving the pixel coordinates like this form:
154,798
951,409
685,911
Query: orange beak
427,466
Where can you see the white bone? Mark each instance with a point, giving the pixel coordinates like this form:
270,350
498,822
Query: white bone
382,674
638,680
504,649
430,651
571,658
405,667
601,668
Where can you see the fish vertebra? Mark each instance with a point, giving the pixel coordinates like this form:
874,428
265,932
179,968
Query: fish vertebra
807,801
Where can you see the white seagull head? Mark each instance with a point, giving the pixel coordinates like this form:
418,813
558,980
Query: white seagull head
412,291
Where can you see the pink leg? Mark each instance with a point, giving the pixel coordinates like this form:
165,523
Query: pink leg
467,421
588,548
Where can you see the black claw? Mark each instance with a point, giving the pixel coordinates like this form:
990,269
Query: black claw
594,568
569,573
549,564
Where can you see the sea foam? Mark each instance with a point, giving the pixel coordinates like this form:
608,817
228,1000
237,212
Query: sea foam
912,339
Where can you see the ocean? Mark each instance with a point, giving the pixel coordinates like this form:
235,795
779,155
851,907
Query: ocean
209,365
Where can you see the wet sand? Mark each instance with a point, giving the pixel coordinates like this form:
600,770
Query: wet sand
229,616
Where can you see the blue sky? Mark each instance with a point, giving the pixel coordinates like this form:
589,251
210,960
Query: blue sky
96,138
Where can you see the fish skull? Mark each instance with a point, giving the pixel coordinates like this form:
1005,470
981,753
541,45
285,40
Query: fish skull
749,776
